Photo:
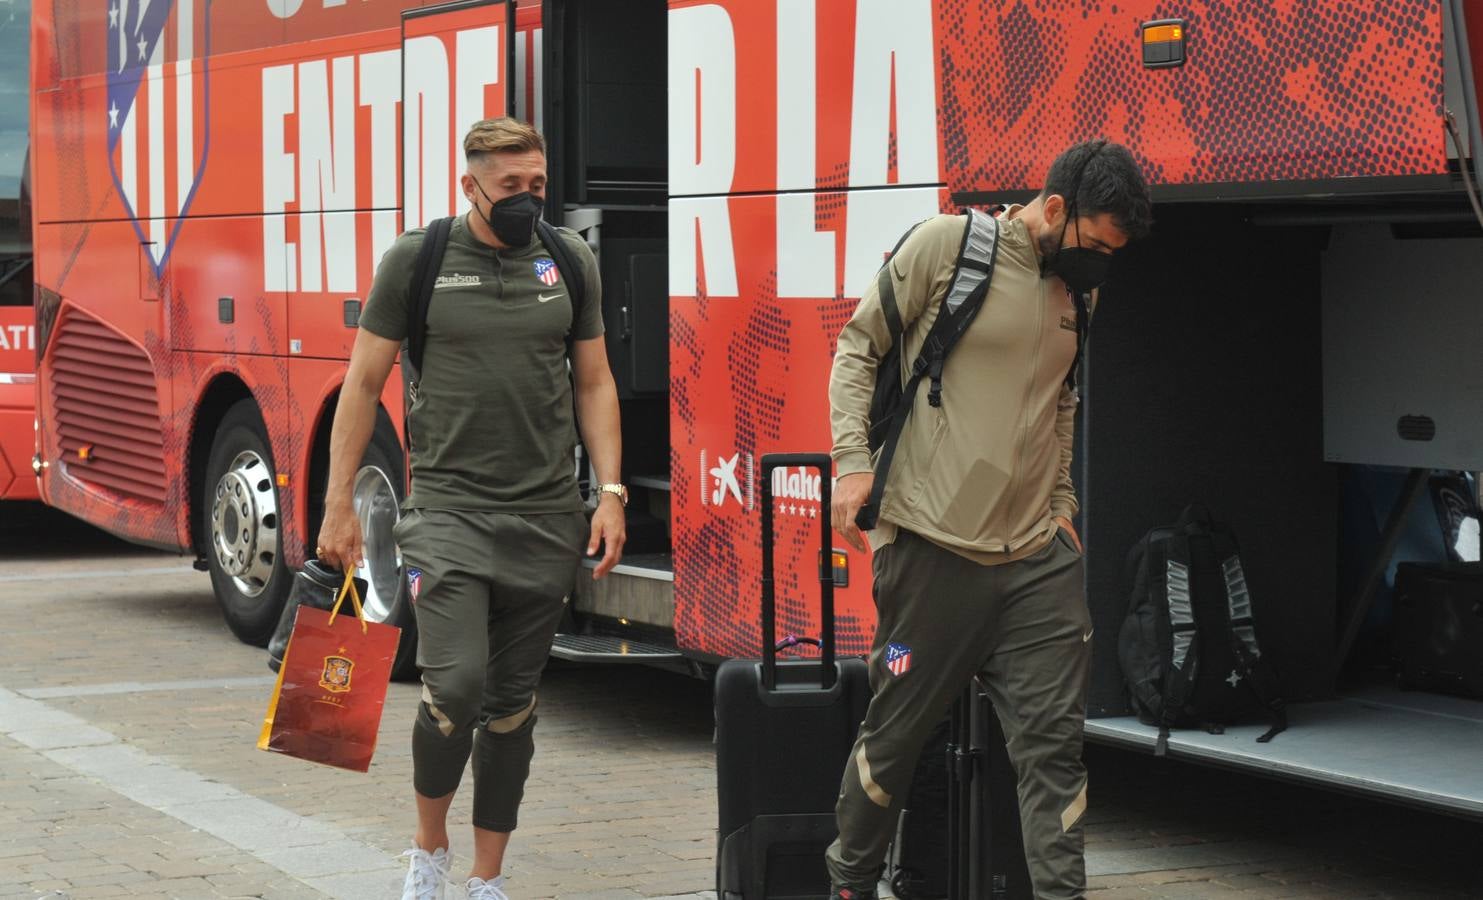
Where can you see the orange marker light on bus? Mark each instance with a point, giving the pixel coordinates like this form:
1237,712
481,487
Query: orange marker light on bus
1161,33
1163,44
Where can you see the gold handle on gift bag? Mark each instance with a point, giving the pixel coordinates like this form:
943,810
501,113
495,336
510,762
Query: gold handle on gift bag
349,588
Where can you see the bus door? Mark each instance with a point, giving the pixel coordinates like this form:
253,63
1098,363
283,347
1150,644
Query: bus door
456,70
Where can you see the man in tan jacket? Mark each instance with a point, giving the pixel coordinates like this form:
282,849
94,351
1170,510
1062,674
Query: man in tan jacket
978,567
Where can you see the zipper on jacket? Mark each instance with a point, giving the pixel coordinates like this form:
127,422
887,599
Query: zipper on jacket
1023,423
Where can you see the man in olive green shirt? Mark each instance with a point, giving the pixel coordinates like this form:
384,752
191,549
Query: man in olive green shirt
494,528
978,567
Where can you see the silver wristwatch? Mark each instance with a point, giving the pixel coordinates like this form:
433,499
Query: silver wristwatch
619,490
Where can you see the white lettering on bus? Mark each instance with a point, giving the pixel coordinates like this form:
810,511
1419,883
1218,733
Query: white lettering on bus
425,174
381,90
21,337
326,255
702,148
287,9
892,37
280,256
893,70
327,177
798,484
320,176
805,256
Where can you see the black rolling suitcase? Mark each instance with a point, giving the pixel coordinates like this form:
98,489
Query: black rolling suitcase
783,732
970,848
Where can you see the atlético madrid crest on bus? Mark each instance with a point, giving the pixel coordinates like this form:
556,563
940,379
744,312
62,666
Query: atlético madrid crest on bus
158,112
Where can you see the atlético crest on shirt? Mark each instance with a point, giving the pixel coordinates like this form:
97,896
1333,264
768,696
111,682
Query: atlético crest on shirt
546,271
158,113
414,583
898,658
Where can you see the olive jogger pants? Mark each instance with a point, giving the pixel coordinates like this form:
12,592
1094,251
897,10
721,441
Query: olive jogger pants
941,620
488,590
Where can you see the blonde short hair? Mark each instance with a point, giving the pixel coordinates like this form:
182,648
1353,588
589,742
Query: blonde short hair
502,135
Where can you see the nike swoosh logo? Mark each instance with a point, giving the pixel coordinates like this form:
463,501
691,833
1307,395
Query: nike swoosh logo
544,299
1086,637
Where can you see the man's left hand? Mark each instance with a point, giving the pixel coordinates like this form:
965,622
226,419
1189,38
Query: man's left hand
610,531
1066,526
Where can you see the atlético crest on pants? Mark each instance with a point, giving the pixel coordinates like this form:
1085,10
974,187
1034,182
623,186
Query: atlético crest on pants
158,113
898,658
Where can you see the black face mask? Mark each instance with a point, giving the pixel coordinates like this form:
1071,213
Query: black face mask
513,219
1083,269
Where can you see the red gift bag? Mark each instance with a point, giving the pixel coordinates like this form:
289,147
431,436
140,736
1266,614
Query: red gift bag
326,707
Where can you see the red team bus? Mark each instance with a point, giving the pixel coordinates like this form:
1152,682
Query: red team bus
17,322
215,183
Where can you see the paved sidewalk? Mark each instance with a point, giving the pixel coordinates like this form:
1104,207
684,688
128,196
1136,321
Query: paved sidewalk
128,768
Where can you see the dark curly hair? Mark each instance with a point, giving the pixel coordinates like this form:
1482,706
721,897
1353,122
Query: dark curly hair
1105,179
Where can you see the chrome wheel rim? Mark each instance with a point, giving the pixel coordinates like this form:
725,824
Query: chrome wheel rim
244,523
377,509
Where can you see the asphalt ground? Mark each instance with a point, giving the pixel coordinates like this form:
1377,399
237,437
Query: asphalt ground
128,767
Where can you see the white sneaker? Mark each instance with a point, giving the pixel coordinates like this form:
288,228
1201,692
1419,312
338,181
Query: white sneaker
493,889
427,876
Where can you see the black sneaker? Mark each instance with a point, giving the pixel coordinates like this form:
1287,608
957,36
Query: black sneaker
841,893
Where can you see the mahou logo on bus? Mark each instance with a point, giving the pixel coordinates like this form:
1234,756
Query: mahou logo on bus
156,145
731,480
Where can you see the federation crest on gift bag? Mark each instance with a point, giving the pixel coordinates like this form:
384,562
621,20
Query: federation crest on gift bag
336,675
318,711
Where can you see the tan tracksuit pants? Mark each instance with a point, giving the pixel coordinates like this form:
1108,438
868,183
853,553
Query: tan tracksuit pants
1026,628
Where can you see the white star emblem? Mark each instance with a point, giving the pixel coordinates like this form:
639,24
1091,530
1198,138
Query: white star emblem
142,45
113,16
113,115
813,513
1235,678
792,510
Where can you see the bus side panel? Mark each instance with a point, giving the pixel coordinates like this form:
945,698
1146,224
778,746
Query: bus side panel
1273,91
749,371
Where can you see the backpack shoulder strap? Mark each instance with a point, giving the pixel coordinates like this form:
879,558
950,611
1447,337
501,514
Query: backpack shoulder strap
972,275
886,288
566,264
424,277
1184,637
1251,667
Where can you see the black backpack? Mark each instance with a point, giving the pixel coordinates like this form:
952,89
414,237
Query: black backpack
891,401
1188,647
425,275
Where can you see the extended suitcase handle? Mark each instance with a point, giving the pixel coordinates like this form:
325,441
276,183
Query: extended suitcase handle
825,467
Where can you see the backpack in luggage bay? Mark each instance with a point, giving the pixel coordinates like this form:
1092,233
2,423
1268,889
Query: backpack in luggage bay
891,400
1188,646
784,730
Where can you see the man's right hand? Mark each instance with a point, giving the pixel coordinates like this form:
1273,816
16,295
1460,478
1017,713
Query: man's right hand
850,493
340,543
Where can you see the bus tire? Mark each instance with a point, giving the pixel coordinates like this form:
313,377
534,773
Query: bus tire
378,492
243,526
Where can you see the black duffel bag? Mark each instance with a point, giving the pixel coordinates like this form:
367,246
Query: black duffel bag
316,585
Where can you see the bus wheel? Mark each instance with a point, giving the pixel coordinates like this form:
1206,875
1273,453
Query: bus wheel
377,495
243,527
